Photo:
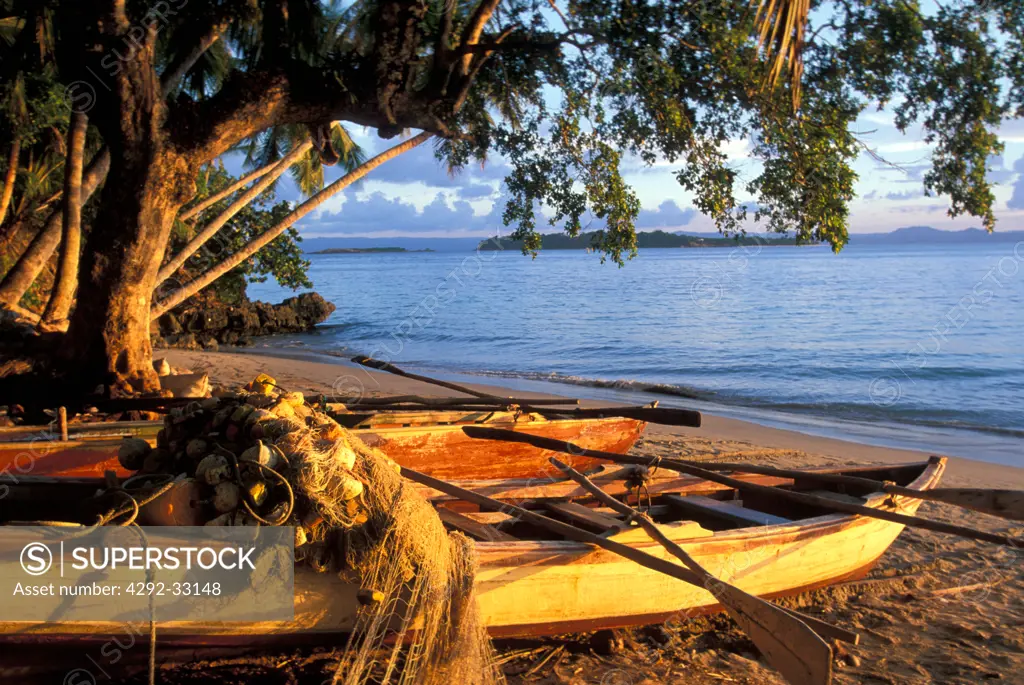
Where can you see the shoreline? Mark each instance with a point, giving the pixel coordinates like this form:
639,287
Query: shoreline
298,372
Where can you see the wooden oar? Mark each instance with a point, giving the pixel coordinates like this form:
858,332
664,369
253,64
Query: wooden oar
788,644
693,469
390,368
1007,504
654,531
662,415
668,417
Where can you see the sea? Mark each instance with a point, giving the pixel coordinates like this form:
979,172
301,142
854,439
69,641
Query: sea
917,347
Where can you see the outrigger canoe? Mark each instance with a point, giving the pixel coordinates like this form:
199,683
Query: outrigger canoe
530,583
428,441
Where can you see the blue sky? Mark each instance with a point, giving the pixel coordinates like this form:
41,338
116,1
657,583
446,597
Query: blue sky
414,196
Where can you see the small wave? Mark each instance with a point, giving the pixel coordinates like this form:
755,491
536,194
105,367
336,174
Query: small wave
849,411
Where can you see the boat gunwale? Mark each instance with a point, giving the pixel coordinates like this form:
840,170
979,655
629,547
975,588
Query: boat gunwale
931,472
44,443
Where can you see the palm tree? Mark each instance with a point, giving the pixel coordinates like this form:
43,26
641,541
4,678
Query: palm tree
305,160
62,296
193,287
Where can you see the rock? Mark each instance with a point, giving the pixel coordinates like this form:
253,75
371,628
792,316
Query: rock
162,367
208,324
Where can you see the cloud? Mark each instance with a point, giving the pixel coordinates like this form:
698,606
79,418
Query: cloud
476,191
905,195
420,166
667,215
997,171
902,146
911,173
1016,200
376,213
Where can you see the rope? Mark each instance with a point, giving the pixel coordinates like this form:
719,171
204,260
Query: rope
247,501
638,479
131,507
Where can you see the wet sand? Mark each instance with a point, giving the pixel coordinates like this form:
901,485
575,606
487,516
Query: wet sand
936,609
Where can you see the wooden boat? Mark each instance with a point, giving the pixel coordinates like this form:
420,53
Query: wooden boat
529,583
429,441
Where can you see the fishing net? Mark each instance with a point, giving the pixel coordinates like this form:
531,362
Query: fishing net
354,515
425,579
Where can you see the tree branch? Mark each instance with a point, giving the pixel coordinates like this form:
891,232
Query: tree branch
475,28
460,100
177,69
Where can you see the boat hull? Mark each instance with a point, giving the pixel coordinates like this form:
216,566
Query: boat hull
528,588
442,450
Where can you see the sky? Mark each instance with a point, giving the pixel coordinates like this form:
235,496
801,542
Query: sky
414,196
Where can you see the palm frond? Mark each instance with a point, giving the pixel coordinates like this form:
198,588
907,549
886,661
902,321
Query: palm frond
308,173
780,25
9,29
352,155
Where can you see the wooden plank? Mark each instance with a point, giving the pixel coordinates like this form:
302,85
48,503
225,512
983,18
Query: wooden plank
492,518
677,530
578,513
654,510
474,529
837,496
697,504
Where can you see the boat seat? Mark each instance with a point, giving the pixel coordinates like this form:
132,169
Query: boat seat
579,514
725,511
494,518
474,529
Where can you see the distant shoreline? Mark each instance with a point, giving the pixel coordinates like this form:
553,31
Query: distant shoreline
367,250
644,240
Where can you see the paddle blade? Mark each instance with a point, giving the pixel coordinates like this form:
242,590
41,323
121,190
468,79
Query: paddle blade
1007,504
787,643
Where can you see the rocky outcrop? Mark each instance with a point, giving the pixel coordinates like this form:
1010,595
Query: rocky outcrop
210,324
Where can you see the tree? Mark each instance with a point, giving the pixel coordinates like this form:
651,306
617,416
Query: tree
282,259
565,93
63,294
232,261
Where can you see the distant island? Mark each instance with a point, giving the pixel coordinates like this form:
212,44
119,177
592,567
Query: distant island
906,236
927,235
361,250
645,239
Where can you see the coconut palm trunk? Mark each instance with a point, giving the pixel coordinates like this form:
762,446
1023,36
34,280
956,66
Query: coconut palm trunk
210,230
63,294
12,174
23,274
194,286
237,185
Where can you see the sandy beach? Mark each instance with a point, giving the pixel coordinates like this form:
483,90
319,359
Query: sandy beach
936,609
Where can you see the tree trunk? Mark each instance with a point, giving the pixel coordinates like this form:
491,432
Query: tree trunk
108,336
12,174
23,274
193,287
66,280
214,199
241,202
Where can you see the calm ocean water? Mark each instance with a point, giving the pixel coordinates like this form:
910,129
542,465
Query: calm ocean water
915,347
